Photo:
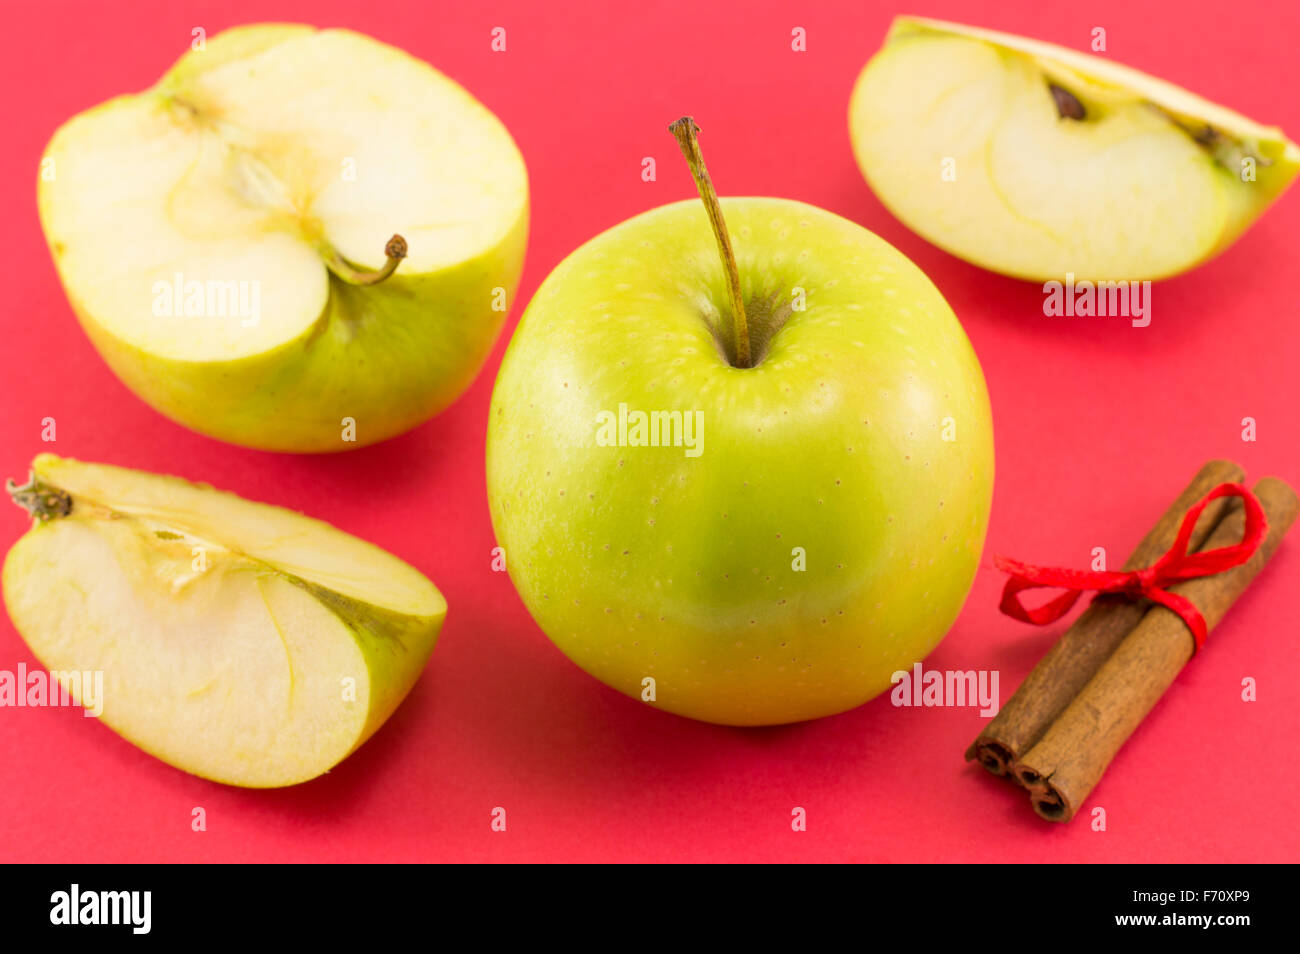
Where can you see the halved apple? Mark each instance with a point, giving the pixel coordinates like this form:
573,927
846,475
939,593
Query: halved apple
1034,160
298,240
239,641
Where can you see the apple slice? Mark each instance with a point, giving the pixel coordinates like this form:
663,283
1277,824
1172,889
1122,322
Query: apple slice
239,641
1034,160
292,228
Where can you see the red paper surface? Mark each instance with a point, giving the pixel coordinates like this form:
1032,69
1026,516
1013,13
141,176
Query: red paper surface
1098,425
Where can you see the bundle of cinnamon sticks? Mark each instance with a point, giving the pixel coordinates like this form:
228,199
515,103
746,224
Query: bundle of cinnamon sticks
1059,732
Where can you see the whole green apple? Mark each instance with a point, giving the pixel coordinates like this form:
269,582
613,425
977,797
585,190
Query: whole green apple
298,240
744,514
1038,161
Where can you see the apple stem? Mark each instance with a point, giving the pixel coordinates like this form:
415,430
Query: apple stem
687,133
40,499
395,250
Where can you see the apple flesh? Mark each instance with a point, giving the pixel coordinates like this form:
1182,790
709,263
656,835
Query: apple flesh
827,532
271,169
241,642
1036,161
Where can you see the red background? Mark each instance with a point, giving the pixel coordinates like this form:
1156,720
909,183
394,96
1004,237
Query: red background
1097,424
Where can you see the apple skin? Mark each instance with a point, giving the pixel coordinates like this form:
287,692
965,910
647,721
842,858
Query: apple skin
643,562
388,357
406,364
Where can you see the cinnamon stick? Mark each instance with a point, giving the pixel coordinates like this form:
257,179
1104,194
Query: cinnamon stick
1063,767
1088,643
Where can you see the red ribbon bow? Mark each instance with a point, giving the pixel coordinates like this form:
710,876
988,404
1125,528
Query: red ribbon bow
1150,582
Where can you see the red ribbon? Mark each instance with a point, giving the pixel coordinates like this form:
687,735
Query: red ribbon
1150,582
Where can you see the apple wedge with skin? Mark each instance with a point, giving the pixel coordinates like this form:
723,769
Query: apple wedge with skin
298,240
1036,161
241,642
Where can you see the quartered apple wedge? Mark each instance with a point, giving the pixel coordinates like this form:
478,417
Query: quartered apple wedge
1036,161
239,641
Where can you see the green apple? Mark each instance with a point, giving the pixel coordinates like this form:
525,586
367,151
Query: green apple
1036,161
747,492
238,641
298,240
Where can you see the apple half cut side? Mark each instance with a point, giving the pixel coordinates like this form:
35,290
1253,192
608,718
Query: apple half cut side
241,642
292,228
1034,160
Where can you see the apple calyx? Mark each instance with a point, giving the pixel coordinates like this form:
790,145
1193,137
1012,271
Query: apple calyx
687,133
41,500
346,271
